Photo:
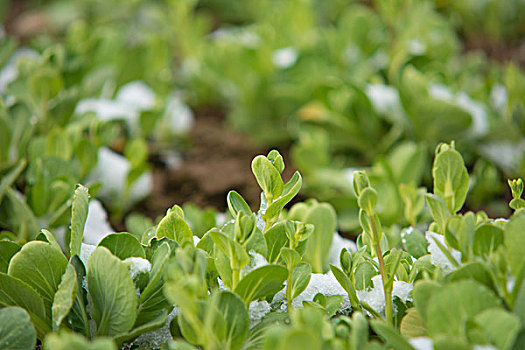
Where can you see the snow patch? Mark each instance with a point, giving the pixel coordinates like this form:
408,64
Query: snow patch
285,57
156,338
338,243
437,257
422,343
85,252
256,260
385,100
112,170
9,72
137,95
97,226
137,266
375,297
319,283
257,310
477,110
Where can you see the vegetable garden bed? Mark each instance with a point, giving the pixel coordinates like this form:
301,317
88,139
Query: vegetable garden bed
130,217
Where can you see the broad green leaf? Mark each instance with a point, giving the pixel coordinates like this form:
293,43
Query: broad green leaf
487,238
41,266
49,237
474,270
500,326
123,245
300,339
423,292
14,292
268,177
79,212
440,212
300,278
74,341
113,293
261,282
275,239
455,303
7,250
450,177
237,320
514,241
236,204
390,335
175,227
412,325
64,297
16,330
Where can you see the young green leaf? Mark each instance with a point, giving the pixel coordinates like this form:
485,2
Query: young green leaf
175,227
79,211
439,211
514,241
237,204
64,297
300,278
237,320
268,177
450,177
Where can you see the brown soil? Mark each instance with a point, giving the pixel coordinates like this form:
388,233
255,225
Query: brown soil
499,51
218,161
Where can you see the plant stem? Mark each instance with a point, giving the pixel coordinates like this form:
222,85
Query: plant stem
289,292
382,269
235,277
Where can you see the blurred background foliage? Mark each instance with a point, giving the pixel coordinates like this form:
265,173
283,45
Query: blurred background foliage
338,85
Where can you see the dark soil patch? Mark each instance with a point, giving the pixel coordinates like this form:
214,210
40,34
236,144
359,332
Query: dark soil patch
497,50
218,160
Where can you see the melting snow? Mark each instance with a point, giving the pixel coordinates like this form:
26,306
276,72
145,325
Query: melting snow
112,170
338,243
422,343
375,297
85,252
97,226
138,266
285,57
156,338
478,112
437,257
319,283
257,310
256,260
